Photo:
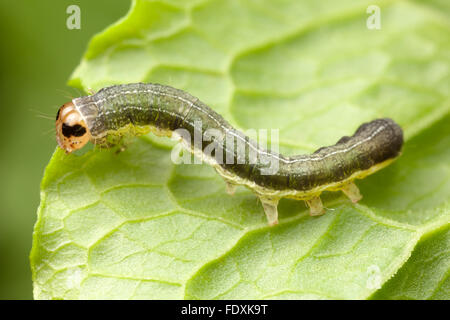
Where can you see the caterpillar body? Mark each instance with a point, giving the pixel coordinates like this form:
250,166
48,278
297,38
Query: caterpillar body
119,111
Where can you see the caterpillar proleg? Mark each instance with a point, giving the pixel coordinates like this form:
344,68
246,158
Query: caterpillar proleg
115,112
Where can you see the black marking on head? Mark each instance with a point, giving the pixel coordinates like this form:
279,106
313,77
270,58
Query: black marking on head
57,114
76,130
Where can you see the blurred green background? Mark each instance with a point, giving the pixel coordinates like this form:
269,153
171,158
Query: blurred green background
38,54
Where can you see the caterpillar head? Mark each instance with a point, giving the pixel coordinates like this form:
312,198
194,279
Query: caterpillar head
72,132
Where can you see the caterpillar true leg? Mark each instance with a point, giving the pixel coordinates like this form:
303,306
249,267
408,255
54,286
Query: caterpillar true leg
352,192
121,149
270,206
230,187
315,206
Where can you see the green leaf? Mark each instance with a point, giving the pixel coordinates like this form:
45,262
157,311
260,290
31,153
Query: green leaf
134,225
426,274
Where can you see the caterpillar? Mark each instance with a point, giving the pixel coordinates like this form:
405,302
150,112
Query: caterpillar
107,117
